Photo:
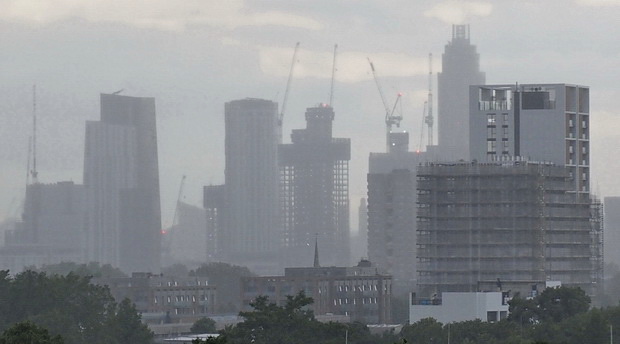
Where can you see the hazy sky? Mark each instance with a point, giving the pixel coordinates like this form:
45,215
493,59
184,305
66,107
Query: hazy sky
194,55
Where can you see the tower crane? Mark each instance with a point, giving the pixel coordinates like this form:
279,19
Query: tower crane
429,120
288,86
390,118
331,91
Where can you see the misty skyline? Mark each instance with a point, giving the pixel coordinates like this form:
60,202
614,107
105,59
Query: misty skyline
194,56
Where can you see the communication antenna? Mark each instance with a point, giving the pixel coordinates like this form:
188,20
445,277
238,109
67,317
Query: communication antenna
34,173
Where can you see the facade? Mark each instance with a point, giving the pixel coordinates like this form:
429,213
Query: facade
163,300
612,229
515,221
52,230
460,69
251,177
314,190
187,238
214,202
541,122
358,293
392,214
121,175
457,307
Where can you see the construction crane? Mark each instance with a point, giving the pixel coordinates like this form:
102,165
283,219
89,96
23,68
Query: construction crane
34,173
178,204
390,118
428,119
331,91
288,86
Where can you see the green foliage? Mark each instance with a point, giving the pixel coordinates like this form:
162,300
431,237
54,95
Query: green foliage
92,269
27,332
203,325
227,279
69,306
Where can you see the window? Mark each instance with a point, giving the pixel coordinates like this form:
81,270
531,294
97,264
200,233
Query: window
491,119
505,118
491,146
491,133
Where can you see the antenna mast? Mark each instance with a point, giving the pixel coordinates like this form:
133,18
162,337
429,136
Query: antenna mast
331,92
34,173
429,120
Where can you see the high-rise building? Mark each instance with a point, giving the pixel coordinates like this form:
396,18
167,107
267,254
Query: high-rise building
314,173
214,202
513,224
251,236
540,122
52,230
392,212
121,175
460,69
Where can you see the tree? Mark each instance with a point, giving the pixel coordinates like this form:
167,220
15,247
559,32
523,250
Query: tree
27,332
203,325
557,304
427,330
70,306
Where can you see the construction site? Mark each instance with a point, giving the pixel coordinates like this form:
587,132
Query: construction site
508,225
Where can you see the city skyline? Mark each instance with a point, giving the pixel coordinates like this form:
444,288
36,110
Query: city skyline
191,98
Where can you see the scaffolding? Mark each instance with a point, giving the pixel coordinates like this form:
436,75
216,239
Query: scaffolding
513,221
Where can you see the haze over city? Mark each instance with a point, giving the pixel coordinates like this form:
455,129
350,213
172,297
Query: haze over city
193,56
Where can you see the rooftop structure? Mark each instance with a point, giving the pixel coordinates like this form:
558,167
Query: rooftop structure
456,307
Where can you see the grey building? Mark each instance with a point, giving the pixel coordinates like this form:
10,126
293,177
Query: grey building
612,229
392,212
460,69
53,227
251,236
121,175
542,122
314,190
515,221
214,202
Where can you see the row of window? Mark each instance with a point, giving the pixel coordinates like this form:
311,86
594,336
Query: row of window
180,298
363,300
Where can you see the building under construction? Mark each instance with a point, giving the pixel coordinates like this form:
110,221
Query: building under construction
512,224
314,190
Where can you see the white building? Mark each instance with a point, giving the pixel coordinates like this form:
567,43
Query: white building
456,307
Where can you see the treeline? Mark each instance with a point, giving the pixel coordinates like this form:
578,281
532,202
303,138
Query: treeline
558,315
69,307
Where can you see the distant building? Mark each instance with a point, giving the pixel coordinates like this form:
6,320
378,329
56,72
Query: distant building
460,69
515,221
53,228
358,293
314,190
188,238
540,122
392,212
612,230
251,236
359,239
161,299
214,202
451,307
121,175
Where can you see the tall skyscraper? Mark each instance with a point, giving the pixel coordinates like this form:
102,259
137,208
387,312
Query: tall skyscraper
460,69
121,174
541,122
251,236
314,172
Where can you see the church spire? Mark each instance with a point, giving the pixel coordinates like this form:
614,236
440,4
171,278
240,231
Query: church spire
316,253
